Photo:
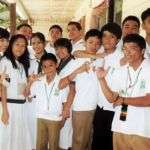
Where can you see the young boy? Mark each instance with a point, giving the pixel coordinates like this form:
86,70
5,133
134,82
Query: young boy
49,103
145,16
4,38
130,92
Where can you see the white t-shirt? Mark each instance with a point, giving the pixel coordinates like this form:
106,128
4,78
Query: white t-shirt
86,85
138,120
49,99
17,78
79,45
113,62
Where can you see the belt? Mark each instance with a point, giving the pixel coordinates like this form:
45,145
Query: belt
17,101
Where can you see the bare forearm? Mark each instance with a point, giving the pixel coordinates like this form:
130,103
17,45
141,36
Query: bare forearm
4,97
109,94
142,101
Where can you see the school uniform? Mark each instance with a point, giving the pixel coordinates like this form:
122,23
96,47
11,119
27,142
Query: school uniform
15,135
135,130
79,45
84,105
32,121
102,135
49,103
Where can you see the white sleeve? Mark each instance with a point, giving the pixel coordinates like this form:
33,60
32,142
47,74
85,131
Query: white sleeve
64,94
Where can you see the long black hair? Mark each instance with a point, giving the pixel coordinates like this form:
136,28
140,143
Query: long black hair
23,59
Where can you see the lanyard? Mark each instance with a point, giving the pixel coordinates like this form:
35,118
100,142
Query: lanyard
131,83
48,95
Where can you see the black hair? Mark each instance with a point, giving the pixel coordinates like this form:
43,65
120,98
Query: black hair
77,24
57,27
23,25
63,42
39,35
48,56
113,28
4,33
93,32
135,38
24,59
131,18
145,14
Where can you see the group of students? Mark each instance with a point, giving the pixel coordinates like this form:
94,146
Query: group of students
78,93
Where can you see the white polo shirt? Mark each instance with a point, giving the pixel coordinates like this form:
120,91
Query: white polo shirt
138,120
49,99
86,86
17,78
79,45
113,62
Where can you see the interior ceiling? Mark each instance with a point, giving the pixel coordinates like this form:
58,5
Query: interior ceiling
47,12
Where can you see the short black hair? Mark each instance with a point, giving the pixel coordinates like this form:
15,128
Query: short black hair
131,18
4,33
113,28
77,24
93,32
135,38
39,35
23,25
145,14
48,56
57,27
63,42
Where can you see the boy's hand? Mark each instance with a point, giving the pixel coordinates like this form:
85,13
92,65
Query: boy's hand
32,78
5,117
101,72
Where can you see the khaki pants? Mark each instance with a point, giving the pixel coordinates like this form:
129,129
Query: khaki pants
47,134
130,142
82,129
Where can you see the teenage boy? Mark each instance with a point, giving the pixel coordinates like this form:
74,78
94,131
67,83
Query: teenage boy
75,35
130,92
49,104
86,96
145,16
102,135
55,32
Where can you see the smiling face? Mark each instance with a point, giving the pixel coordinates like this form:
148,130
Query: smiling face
132,52
54,34
49,67
19,46
109,41
37,45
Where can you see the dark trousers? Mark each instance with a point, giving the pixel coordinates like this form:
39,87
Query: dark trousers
102,134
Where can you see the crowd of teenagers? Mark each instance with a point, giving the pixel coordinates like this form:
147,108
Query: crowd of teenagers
84,92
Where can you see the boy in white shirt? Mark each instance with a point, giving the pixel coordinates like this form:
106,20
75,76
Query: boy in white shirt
49,103
130,92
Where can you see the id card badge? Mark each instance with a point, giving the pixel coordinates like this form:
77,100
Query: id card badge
20,88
